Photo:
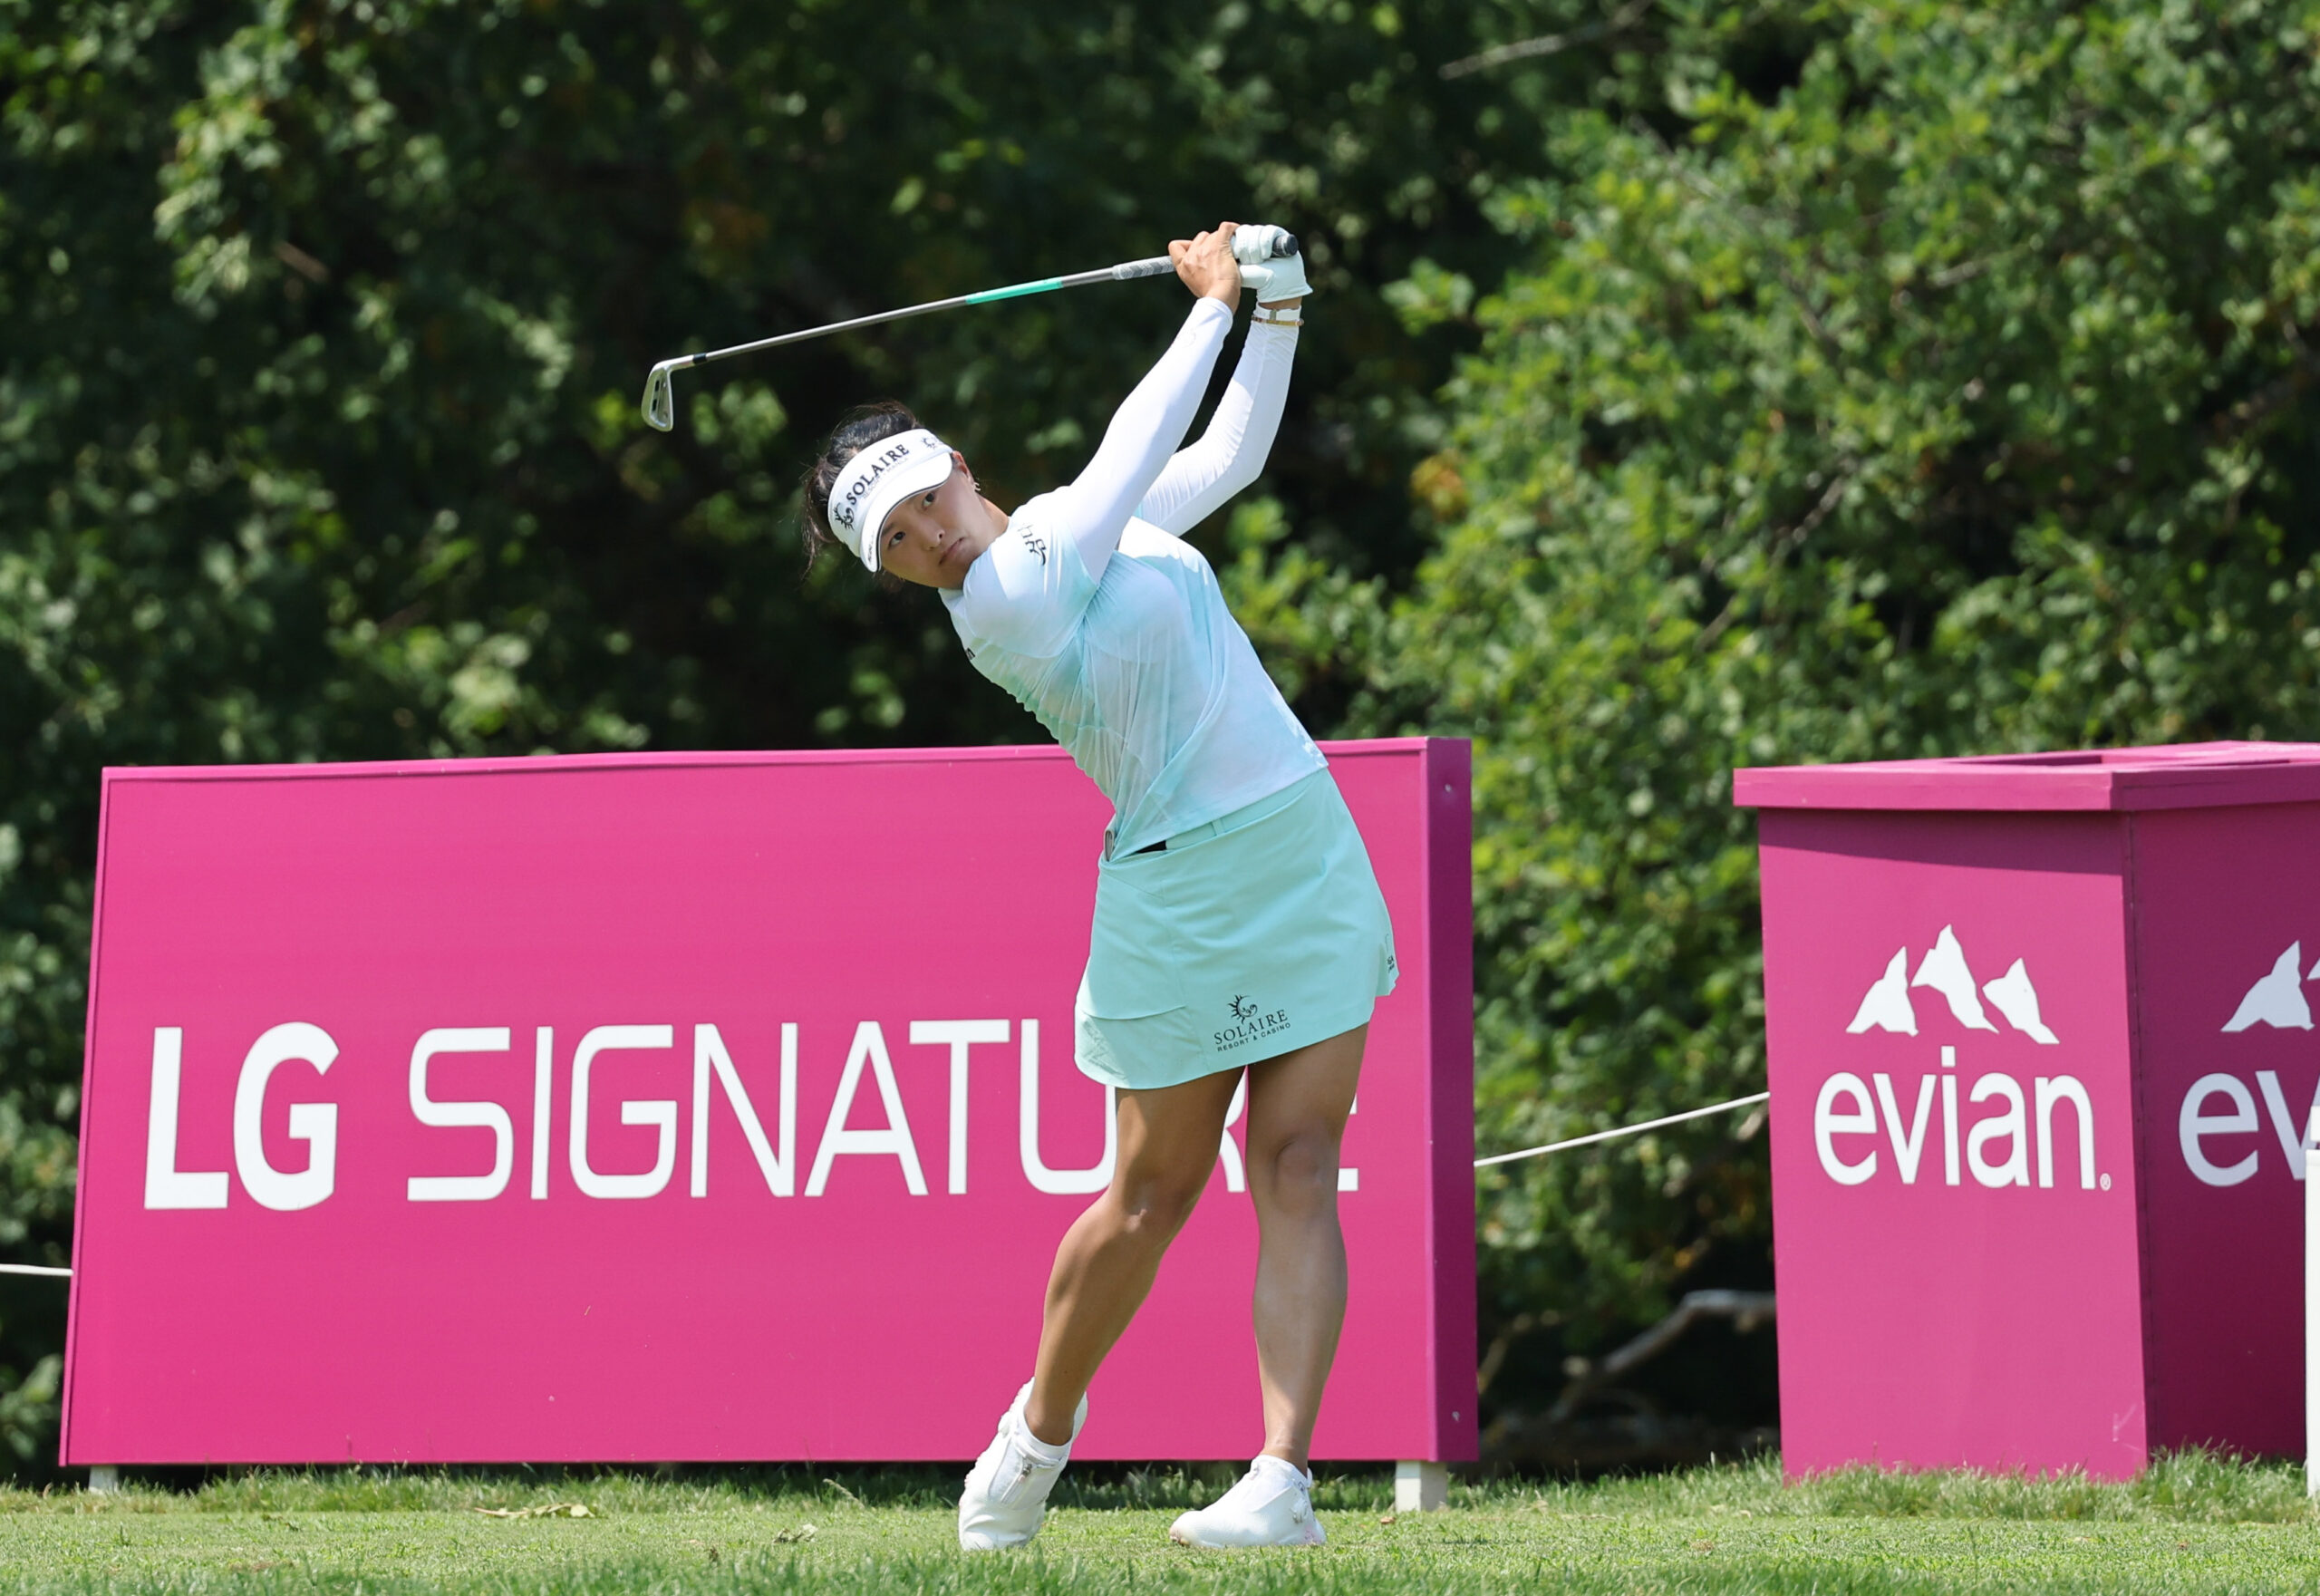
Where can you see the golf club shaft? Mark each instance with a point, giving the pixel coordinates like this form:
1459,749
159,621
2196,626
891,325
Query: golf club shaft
1251,248
1153,268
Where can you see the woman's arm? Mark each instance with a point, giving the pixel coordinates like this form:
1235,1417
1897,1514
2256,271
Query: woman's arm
1023,592
1093,511
1229,456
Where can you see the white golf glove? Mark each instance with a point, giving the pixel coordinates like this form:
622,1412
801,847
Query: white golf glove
1272,277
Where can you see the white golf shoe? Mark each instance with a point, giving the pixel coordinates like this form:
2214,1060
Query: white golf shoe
1272,1506
1007,1489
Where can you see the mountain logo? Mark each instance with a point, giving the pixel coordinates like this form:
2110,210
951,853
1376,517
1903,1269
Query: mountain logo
1886,1006
2277,999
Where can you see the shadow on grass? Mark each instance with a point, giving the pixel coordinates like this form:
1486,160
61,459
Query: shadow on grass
608,1488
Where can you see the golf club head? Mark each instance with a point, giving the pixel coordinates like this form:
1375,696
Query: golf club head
660,396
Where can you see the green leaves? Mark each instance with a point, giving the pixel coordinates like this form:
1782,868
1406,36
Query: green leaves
1877,380
326,324
1923,379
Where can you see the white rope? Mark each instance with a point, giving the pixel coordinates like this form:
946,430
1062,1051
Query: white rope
1577,1141
1605,1136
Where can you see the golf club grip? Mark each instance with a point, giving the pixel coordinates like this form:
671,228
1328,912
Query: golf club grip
1256,243
1157,265
1283,245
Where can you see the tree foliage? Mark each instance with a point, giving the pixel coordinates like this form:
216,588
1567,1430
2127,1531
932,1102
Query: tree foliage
326,321
1925,379
1881,379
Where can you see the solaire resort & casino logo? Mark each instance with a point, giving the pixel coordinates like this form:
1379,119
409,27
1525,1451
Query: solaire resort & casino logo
1251,1023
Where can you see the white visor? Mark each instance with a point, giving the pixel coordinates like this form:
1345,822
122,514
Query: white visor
880,478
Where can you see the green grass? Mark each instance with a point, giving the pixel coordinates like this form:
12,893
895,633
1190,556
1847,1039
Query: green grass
2193,1523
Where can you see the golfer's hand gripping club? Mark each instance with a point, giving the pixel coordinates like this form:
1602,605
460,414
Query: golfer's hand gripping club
1270,262
1261,250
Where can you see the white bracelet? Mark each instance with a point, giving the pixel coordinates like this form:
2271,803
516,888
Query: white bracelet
1262,320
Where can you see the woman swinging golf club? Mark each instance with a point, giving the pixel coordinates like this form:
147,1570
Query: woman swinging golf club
1238,923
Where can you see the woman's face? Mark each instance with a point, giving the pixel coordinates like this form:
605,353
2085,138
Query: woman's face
931,539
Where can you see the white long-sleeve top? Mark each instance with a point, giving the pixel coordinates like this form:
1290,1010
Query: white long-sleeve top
1101,620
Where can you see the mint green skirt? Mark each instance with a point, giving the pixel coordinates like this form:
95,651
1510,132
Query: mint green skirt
1243,939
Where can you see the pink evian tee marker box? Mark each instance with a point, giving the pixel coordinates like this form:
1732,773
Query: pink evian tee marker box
708,1107
2040,1048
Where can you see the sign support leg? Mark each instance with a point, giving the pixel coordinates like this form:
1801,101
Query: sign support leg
2312,1307
1421,1488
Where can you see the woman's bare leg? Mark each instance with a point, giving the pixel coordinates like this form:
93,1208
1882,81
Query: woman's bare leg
1298,1104
1167,1147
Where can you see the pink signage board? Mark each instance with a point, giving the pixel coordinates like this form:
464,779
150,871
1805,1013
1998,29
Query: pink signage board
708,1107
2041,1046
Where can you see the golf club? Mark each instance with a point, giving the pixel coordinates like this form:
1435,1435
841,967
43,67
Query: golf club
1251,246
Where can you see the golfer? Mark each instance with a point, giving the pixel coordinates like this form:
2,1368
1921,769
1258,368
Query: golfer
1238,924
